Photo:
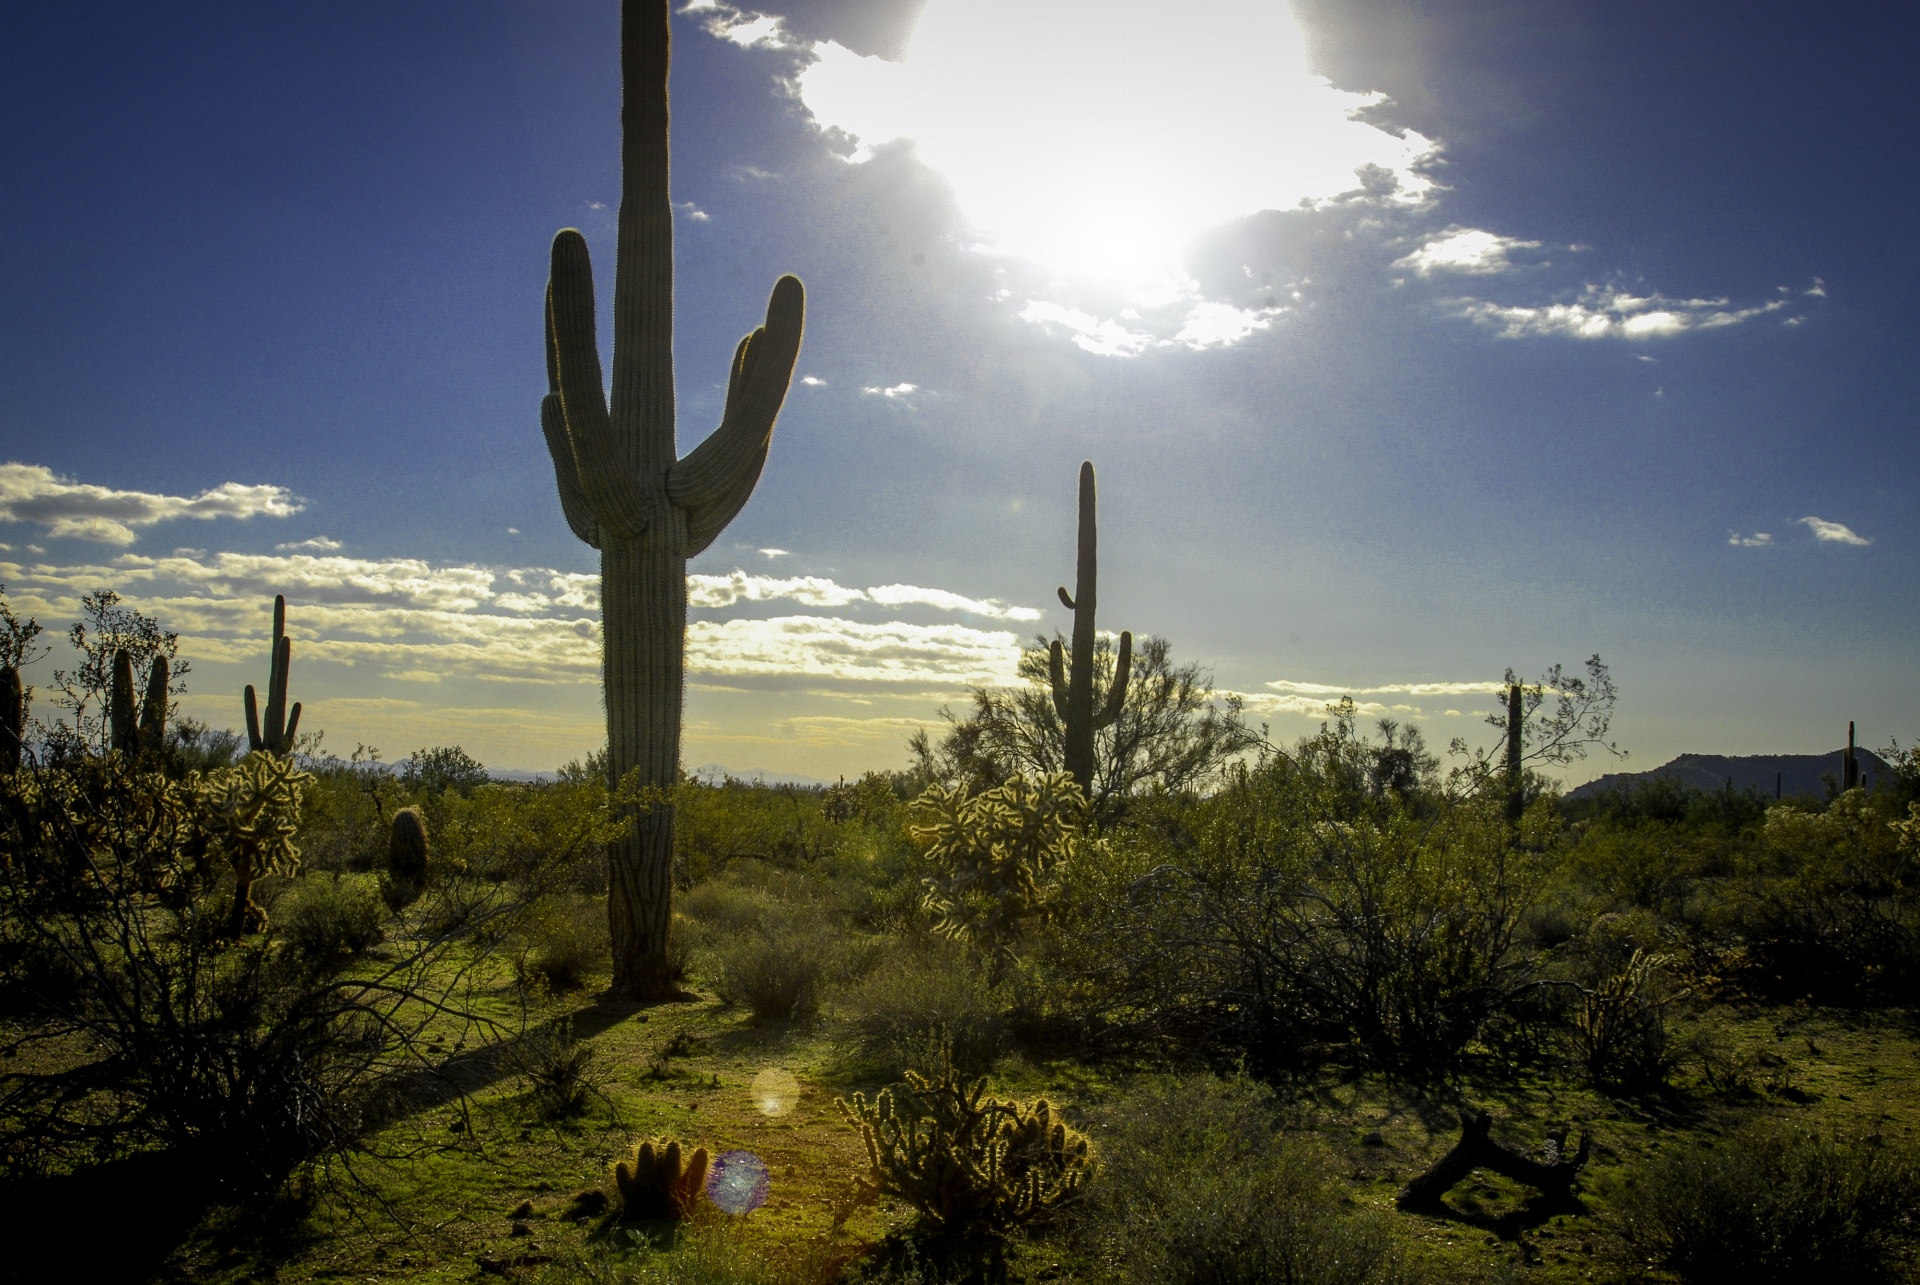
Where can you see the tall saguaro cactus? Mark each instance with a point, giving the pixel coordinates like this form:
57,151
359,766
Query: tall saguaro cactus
626,492
135,729
1073,688
276,735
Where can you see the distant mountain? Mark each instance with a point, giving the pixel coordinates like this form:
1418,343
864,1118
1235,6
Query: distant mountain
1796,773
715,773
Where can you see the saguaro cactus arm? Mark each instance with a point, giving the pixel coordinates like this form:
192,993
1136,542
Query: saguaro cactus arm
715,479
1117,692
123,717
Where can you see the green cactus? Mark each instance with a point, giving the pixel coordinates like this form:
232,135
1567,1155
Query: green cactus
625,493
973,1167
136,729
1849,763
655,1182
1073,689
13,718
282,724
252,812
406,857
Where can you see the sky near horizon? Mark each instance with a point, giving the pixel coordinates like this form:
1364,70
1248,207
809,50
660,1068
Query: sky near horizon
1411,341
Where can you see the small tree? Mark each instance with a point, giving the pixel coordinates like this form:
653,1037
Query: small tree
1173,732
1534,736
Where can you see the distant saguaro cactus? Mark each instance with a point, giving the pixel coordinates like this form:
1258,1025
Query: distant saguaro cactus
1849,763
13,718
276,737
626,493
133,728
1516,725
1073,689
406,857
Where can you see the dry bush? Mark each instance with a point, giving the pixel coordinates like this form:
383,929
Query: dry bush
923,1004
327,916
1777,1202
1200,1188
565,943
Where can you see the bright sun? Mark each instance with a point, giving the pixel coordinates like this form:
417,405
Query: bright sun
1097,138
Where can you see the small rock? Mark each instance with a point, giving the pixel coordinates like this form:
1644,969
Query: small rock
457,1126
520,1229
523,1210
1373,1138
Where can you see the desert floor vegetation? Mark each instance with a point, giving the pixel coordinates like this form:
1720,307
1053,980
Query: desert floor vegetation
1253,1014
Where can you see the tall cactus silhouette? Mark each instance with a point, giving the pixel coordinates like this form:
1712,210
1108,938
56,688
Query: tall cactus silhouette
626,493
13,718
276,736
1073,689
1516,725
137,728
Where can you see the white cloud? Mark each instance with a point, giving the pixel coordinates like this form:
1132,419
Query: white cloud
813,381
892,390
693,212
1468,251
892,652
1610,313
1288,696
33,493
1758,540
1832,532
319,544
773,553
739,586
744,28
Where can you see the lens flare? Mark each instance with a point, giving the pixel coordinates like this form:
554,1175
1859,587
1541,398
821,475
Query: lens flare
737,1182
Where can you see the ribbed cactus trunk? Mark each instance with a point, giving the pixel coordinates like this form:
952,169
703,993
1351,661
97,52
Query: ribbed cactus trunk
1849,763
1073,690
13,718
1516,795
625,491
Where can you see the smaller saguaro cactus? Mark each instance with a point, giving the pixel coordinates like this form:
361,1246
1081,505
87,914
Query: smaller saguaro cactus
658,1182
1516,725
1849,763
136,729
406,857
1073,688
13,718
276,736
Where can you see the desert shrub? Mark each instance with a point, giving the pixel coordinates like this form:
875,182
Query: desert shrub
244,1061
922,1004
1199,1188
325,916
1624,992
563,943
562,1073
1841,919
973,1167
1779,1202
777,969
717,825
1300,913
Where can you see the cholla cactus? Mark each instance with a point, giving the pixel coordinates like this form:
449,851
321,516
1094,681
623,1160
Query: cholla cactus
657,1181
282,724
1073,697
993,854
974,1167
627,492
406,857
252,810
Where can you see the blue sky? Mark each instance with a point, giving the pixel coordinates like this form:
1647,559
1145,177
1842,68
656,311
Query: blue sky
1627,288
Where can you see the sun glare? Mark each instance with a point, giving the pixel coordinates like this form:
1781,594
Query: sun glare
1098,138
